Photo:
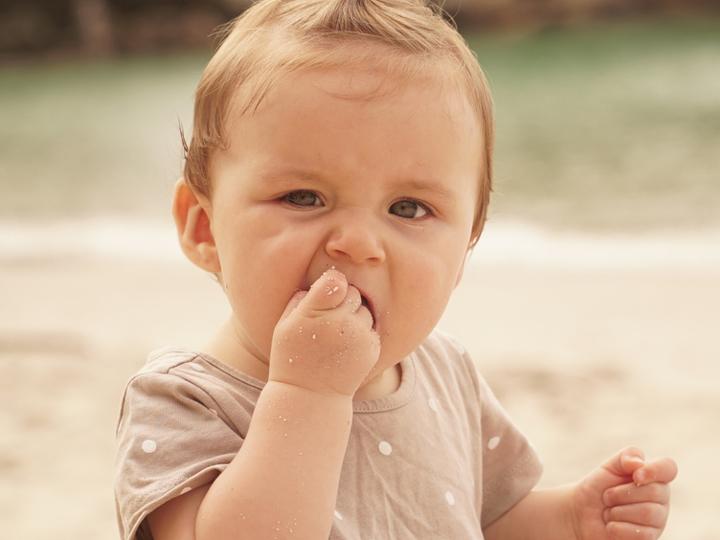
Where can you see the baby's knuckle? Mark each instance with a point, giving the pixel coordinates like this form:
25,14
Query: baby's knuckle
647,534
652,515
639,532
645,513
657,493
614,496
661,516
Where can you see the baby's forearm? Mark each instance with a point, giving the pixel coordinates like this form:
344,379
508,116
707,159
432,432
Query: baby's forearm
540,515
283,483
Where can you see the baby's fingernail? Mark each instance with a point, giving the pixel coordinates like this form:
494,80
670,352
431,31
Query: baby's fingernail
640,477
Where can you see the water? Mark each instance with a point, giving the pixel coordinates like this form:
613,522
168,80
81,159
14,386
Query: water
611,128
611,133
81,140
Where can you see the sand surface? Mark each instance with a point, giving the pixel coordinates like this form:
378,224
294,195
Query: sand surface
585,360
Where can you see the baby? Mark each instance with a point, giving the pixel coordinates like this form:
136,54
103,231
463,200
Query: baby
338,174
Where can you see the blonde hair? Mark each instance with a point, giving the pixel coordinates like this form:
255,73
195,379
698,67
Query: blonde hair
408,39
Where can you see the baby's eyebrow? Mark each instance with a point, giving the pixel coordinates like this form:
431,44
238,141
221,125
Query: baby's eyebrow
433,187
281,175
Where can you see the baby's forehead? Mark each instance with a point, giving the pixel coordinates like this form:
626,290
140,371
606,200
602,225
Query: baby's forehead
356,82
340,124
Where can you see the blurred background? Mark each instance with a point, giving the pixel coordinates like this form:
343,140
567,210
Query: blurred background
591,303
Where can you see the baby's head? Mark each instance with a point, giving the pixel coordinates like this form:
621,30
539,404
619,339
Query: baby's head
404,40
353,134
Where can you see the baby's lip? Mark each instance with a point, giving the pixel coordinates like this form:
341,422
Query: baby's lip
367,302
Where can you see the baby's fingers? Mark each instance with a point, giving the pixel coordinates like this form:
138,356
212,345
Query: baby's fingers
326,293
651,515
663,470
293,303
637,512
632,531
630,493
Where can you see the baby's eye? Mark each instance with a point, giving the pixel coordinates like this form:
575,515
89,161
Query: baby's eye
408,209
303,198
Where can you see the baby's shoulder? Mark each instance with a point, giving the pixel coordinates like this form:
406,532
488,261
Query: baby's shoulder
168,378
445,350
442,359
192,365
177,376
168,359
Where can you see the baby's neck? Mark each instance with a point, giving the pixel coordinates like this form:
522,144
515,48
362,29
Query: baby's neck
227,347
382,385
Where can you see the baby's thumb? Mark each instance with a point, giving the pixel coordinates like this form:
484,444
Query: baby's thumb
328,292
293,303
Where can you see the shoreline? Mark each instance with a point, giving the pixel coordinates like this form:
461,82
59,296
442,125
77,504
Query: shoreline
503,243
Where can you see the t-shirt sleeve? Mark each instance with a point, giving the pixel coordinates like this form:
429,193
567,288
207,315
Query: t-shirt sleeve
511,466
172,437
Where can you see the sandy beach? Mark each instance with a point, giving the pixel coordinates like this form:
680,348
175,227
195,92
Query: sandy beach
586,360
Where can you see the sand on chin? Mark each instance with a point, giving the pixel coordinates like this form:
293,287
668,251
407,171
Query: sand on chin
585,361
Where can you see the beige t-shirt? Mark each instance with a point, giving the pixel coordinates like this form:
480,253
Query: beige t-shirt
438,459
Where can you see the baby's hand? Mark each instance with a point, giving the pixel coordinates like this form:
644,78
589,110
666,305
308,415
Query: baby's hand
626,498
325,340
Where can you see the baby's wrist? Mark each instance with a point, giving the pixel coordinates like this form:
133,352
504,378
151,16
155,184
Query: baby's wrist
296,414
321,380
286,389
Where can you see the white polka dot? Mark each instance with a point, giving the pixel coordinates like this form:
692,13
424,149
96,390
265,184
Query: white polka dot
149,446
337,515
450,498
492,443
197,367
385,448
433,404
185,490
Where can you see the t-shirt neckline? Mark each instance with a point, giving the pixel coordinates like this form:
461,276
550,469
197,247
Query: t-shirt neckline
380,404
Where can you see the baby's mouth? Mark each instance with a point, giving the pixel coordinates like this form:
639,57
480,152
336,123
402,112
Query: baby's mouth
366,303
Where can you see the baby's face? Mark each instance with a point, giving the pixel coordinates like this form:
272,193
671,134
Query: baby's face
381,186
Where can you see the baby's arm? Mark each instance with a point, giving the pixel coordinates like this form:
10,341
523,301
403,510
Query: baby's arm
283,482
626,498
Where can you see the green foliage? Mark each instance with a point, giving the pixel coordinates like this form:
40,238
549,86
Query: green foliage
93,138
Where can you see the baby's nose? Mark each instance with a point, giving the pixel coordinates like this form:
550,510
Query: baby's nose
357,239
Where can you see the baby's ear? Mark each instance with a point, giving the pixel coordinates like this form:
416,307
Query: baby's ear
192,220
462,268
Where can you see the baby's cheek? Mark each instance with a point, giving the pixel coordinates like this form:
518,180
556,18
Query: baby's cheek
257,325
